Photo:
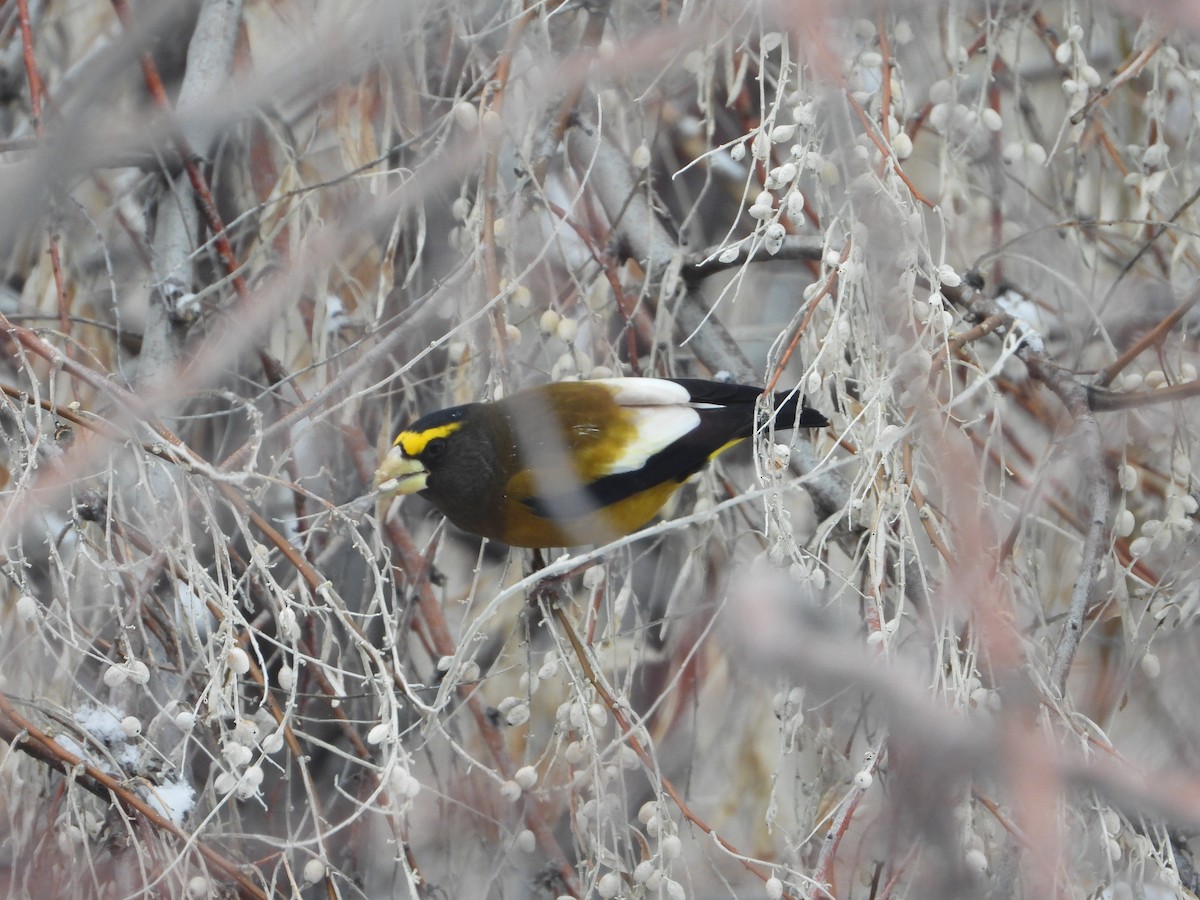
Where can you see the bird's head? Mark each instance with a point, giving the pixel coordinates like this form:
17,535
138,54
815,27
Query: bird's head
426,447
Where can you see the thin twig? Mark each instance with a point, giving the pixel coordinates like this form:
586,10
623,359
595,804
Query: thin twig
1101,400
823,871
628,735
70,764
1154,336
1075,397
1129,72
36,90
537,816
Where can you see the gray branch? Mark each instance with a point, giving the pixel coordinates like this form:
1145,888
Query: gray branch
210,58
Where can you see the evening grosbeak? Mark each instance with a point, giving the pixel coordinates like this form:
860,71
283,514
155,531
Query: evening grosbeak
574,462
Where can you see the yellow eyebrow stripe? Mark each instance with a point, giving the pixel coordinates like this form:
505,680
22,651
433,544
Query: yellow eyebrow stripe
413,443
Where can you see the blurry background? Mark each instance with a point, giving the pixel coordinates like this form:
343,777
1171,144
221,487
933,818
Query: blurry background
944,648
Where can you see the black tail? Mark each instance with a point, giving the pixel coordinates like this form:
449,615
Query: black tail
740,396
785,413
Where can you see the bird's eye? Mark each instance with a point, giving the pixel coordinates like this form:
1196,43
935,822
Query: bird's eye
434,448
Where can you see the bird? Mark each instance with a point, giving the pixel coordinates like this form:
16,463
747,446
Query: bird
573,463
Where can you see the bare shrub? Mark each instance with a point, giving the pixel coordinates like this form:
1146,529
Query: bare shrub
944,648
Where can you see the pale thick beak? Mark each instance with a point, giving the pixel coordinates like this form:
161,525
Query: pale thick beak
400,474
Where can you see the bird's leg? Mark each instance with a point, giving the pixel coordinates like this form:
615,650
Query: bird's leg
548,588
543,588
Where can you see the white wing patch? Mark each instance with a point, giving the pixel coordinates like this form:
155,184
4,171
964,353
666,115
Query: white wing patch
645,391
657,427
